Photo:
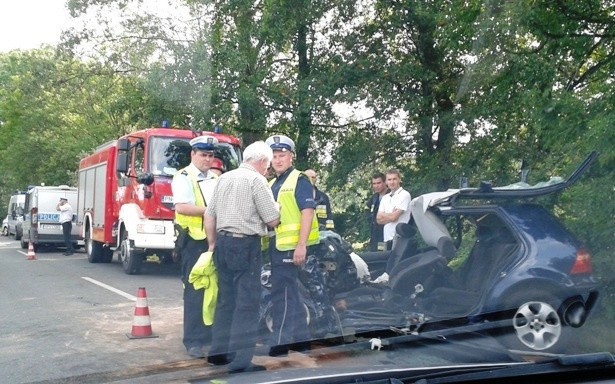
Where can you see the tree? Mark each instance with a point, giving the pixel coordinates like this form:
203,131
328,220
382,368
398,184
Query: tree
54,109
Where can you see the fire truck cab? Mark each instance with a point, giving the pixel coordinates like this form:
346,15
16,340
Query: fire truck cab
125,201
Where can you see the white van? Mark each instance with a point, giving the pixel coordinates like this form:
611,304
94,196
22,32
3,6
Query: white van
41,224
14,214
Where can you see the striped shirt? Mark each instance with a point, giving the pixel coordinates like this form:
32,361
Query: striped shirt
242,202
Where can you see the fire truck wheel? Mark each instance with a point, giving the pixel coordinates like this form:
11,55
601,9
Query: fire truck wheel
131,259
96,251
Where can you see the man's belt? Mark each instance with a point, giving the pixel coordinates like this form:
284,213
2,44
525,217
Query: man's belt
233,234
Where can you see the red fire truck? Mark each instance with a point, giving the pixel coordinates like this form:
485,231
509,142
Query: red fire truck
125,202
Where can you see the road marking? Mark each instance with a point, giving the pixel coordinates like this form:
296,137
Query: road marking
110,288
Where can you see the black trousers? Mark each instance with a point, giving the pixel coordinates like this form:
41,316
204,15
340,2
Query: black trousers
238,263
67,228
196,333
289,318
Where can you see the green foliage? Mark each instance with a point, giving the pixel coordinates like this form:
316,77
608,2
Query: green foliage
54,109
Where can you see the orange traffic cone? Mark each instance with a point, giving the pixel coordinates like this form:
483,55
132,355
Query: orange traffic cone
31,255
141,325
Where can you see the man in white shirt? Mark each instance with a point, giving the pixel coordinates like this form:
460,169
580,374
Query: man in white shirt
66,220
394,207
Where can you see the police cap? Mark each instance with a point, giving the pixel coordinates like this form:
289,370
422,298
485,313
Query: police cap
280,143
204,143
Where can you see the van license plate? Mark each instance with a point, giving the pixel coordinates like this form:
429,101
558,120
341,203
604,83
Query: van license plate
50,226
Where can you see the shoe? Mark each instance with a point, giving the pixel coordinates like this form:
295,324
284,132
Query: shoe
196,352
261,350
302,347
218,359
278,351
67,253
249,368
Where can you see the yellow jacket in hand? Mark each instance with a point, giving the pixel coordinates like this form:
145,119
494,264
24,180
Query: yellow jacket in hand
203,276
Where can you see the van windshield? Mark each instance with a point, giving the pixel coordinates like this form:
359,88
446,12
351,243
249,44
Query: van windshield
167,155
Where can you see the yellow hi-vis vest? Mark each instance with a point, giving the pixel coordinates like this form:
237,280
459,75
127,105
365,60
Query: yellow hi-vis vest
287,233
193,224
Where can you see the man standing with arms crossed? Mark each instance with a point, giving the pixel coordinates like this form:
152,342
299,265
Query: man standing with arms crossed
192,188
297,231
379,187
241,209
394,207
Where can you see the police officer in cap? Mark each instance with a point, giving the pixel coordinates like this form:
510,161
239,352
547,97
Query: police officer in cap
323,203
192,189
288,249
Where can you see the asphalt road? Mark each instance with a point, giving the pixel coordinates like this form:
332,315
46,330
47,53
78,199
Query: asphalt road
62,317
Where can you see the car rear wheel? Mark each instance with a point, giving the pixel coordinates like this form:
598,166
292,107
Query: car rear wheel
537,325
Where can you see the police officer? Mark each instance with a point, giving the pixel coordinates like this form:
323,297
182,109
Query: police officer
323,204
298,230
192,188
66,220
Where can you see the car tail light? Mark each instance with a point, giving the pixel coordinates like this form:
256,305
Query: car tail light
582,264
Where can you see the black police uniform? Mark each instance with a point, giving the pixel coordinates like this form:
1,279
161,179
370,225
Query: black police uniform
196,333
289,318
321,198
376,230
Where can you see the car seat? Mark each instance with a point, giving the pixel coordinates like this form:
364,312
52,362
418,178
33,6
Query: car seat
404,245
423,268
461,292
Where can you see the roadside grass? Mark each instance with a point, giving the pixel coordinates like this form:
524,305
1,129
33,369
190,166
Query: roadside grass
597,334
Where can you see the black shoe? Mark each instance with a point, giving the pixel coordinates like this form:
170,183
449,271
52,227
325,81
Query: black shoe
278,351
261,350
303,347
218,359
67,253
249,368
196,352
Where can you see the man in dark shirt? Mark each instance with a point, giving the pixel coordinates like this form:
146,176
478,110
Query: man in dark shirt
376,230
323,204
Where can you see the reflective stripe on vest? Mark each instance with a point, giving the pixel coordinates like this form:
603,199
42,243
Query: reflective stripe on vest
194,224
287,233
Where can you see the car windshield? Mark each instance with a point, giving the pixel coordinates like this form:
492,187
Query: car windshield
168,155
399,190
